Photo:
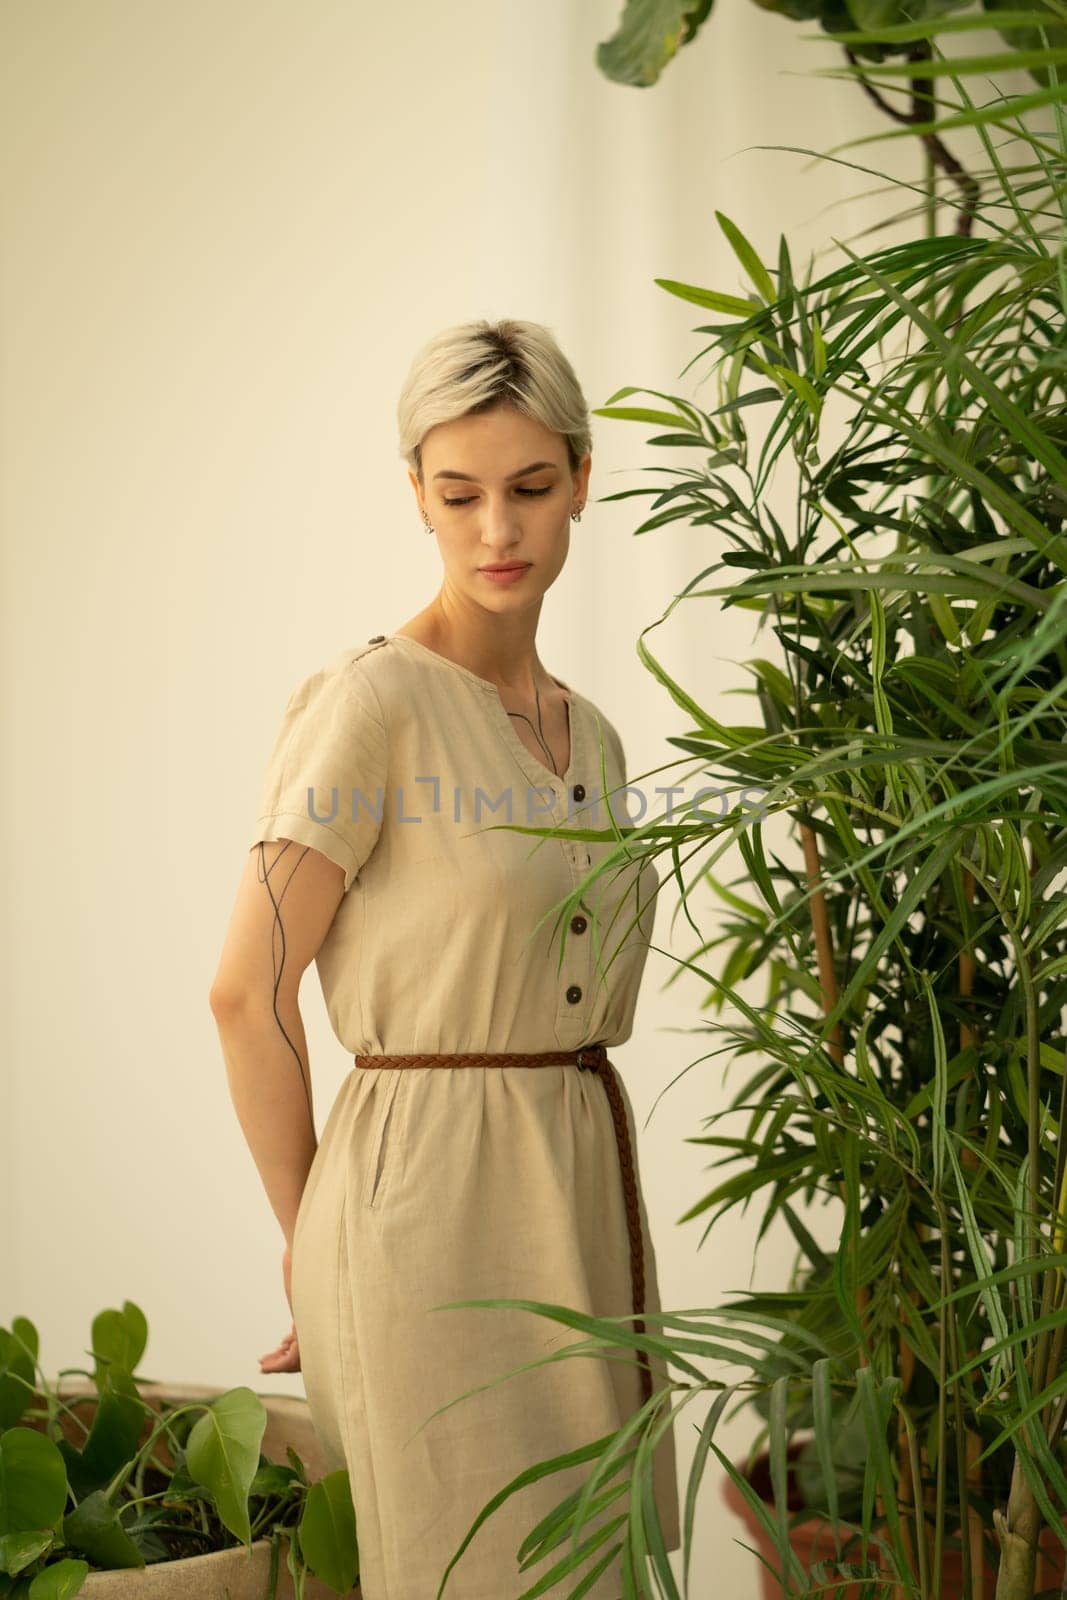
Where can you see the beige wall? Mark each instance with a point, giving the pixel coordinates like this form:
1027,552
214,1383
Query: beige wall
227,227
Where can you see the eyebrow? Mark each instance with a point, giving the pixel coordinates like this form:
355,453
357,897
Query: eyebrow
535,466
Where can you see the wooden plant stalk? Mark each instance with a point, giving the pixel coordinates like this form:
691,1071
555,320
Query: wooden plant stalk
828,991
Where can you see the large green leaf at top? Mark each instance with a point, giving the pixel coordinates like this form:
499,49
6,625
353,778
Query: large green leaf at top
872,15
825,11
651,32
649,35
1030,38
848,16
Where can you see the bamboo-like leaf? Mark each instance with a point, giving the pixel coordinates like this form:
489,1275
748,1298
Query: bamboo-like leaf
743,250
643,414
553,1528
876,1401
645,1514
963,66
932,26
1016,1341
907,1059
791,1570
529,1475
696,1474
729,304
822,1398
1001,404
779,1442
571,1562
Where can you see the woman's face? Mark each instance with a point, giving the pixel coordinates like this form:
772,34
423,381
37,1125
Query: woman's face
498,489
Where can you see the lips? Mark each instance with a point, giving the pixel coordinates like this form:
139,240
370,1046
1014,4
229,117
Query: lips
512,566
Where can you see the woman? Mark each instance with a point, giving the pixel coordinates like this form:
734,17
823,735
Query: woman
379,853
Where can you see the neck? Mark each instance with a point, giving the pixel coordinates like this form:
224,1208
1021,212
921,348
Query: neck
502,649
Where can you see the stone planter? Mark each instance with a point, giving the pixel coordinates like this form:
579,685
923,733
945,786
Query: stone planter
238,1574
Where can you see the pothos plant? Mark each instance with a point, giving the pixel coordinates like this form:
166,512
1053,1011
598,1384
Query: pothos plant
110,1479
881,478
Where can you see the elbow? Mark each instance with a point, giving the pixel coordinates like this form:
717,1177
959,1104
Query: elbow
224,999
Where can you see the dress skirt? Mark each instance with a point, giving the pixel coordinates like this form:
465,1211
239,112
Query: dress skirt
434,1184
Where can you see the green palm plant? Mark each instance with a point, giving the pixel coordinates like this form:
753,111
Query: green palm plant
906,1064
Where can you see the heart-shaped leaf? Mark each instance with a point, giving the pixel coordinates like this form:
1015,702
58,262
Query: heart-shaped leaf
119,1338
222,1453
59,1581
93,1528
16,1370
17,1550
114,1436
328,1531
33,1481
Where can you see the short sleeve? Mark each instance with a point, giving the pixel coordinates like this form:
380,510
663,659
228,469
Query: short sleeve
325,781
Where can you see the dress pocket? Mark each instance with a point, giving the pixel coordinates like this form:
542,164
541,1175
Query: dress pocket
384,1144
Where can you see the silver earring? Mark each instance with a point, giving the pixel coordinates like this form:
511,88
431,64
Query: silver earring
429,524
576,516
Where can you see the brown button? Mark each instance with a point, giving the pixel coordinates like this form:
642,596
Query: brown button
578,924
379,638
574,994
579,791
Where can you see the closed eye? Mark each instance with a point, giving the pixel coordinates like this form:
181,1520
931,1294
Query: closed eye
466,499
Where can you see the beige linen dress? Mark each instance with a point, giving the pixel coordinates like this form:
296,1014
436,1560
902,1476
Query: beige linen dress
435,1184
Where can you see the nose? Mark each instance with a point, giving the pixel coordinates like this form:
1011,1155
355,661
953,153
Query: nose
501,532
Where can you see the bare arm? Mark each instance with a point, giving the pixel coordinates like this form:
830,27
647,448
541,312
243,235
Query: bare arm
287,899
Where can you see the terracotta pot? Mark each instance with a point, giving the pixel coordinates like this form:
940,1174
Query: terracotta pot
237,1574
813,1540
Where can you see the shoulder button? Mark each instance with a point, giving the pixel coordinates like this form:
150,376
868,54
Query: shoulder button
355,652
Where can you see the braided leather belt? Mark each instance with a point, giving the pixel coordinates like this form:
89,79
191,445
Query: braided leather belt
590,1058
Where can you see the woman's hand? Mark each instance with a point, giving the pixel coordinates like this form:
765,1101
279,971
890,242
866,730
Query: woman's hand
286,1358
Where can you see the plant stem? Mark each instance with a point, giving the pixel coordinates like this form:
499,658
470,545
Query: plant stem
937,153
1019,1527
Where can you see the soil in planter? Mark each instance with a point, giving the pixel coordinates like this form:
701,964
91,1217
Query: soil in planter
173,1540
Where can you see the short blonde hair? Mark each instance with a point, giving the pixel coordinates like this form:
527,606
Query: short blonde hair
475,366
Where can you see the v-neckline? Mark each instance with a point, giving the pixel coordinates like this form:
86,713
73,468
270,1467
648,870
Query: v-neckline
502,719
